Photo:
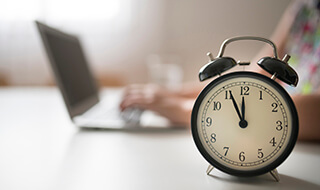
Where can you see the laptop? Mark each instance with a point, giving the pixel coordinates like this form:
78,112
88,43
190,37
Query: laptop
87,107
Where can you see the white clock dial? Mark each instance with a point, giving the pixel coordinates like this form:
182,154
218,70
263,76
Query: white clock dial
244,123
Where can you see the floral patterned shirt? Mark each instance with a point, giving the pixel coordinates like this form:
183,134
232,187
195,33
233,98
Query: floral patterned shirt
303,44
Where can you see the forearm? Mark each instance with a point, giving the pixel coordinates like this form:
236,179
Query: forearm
192,89
308,108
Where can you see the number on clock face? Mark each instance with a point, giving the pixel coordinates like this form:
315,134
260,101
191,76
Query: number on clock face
243,123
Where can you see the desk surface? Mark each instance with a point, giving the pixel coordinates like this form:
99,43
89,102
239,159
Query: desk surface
41,149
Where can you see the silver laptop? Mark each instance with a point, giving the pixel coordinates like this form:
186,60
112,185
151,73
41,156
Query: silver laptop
79,89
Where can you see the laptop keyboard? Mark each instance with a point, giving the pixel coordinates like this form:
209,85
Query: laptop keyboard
103,111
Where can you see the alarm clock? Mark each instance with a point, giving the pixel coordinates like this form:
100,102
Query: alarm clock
245,123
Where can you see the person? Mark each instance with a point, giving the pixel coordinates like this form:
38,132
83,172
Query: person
297,34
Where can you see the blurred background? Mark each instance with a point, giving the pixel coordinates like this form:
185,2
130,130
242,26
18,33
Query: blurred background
121,37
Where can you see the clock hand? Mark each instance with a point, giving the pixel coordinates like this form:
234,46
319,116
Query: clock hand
242,108
235,106
243,123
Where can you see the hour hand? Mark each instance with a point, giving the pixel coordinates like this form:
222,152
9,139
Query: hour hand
243,108
243,123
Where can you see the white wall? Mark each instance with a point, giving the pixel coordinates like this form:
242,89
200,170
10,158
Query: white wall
201,26
118,48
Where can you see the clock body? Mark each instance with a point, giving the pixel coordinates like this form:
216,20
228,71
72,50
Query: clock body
260,145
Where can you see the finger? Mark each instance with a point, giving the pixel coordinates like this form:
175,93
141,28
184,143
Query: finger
135,87
134,90
134,101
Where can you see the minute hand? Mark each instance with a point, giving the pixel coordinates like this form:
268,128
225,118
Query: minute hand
235,106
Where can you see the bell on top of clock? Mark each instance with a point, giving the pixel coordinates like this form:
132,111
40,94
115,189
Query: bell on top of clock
280,69
216,67
277,68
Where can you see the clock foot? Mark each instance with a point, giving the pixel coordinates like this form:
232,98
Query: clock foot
275,174
209,169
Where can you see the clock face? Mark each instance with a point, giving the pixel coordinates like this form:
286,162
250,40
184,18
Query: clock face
244,124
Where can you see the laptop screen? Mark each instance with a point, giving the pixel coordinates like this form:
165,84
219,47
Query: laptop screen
70,66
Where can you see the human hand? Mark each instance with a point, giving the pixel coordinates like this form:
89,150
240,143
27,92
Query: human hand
158,99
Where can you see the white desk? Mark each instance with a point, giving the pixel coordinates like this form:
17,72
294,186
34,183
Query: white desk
41,149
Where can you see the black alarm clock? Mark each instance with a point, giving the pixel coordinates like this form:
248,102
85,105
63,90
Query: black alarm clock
245,123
